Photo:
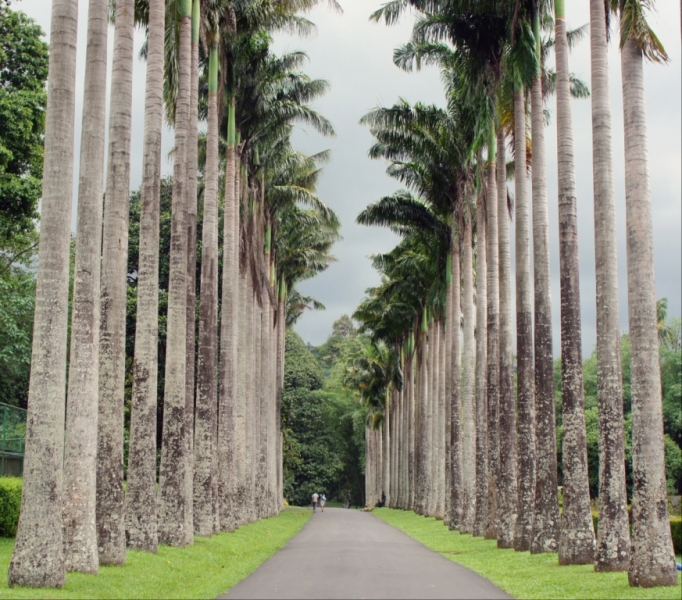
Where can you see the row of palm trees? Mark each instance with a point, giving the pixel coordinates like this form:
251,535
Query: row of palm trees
220,455
469,436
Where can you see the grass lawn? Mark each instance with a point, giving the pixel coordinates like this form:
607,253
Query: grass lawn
519,573
208,568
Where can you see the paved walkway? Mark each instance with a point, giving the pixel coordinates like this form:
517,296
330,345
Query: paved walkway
352,554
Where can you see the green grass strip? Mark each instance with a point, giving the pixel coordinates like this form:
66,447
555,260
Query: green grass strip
519,573
208,568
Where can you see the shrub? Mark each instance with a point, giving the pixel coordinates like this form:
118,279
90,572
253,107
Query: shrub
10,503
675,529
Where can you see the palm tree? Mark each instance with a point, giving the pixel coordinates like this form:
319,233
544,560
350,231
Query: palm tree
524,58
207,398
545,523
191,277
38,555
80,454
652,562
174,450
110,524
613,541
140,499
576,544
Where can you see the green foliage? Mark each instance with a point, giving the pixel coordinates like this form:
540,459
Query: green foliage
23,72
676,530
520,574
10,503
207,569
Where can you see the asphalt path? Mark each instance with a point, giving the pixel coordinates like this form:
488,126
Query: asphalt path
353,554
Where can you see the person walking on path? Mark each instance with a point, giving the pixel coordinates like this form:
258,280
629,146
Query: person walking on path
323,501
315,497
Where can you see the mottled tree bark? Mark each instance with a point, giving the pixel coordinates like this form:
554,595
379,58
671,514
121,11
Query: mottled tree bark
613,541
455,395
192,157
525,425
110,523
493,342
506,480
206,401
242,366
545,535
440,423
80,452
576,544
481,517
386,470
174,460
653,562
140,498
38,555
468,410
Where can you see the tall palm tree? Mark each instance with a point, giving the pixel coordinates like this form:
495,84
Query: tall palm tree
80,453
207,393
110,524
38,555
613,541
545,523
577,543
140,499
524,58
652,559
174,450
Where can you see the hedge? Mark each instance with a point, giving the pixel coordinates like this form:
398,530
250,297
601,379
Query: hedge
10,503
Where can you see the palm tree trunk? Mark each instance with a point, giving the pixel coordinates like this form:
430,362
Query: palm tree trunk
482,477
110,524
228,440
653,562
440,423
411,454
192,151
506,479
261,472
435,400
455,395
206,402
140,499
244,331
252,408
386,470
545,534
524,337
576,544
174,459
431,397
38,555
613,541
80,453
493,332
447,375
421,416
468,414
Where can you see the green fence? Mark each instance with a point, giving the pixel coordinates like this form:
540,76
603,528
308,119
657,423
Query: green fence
12,437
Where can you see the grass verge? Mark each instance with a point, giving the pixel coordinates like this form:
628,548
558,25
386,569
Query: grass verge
208,568
520,574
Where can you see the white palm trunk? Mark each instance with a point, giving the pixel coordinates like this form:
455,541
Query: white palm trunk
653,562
80,452
110,523
38,554
545,534
613,541
207,367
455,491
174,460
493,347
192,151
481,518
506,473
241,404
468,414
576,544
525,425
140,498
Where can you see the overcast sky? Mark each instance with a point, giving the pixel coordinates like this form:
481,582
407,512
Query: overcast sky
354,55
